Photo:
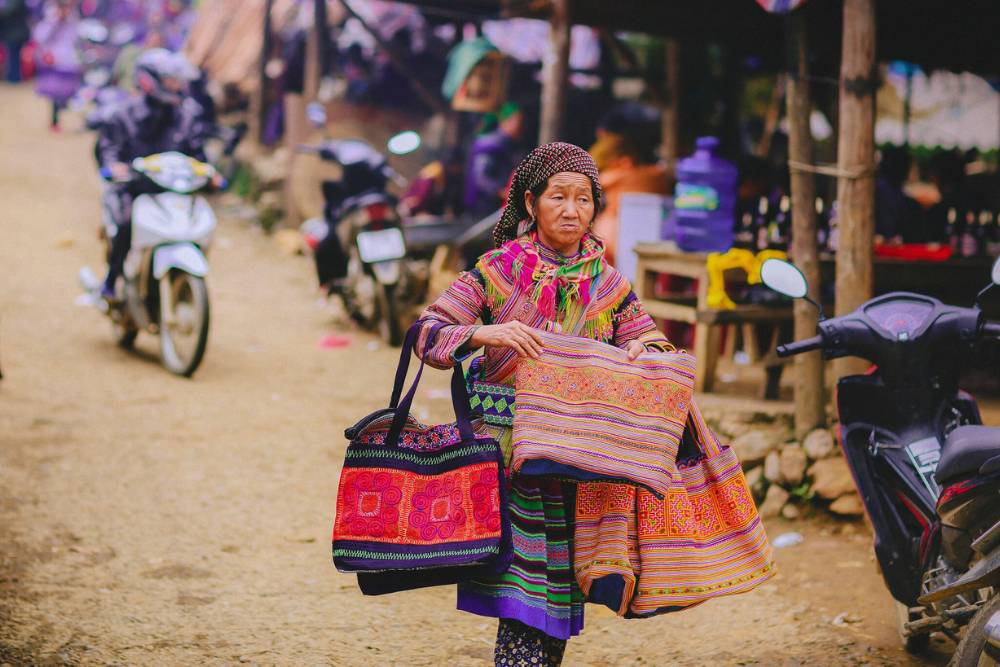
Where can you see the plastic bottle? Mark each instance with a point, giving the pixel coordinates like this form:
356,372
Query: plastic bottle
833,241
778,230
745,236
822,224
761,224
705,199
968,245
951,230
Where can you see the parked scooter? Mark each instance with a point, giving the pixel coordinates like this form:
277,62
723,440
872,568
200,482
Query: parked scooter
162,289
927,470
358,245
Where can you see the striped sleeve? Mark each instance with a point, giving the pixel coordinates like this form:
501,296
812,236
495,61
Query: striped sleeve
632,322
458,308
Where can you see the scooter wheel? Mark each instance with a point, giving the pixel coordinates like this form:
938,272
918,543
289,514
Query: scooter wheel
971,651
184,323
390,326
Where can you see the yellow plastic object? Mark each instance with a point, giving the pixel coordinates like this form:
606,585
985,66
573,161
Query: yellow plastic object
717,265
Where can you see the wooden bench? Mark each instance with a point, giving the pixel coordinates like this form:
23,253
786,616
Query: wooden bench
666,258
955,281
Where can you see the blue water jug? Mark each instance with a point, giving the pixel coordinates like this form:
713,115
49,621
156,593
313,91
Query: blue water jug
705,200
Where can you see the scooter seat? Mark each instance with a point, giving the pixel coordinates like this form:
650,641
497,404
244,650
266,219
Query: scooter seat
965,450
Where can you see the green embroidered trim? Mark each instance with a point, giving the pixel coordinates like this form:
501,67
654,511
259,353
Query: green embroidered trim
491,388
427,459
358,553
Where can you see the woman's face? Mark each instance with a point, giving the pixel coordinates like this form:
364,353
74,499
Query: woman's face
564,211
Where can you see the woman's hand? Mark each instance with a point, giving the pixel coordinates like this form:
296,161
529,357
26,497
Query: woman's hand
518,336
634,349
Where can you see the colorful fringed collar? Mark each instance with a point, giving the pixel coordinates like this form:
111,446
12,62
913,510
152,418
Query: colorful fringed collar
560,287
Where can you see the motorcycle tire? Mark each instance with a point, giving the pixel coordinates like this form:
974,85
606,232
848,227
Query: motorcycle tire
389,322
190,291
971,650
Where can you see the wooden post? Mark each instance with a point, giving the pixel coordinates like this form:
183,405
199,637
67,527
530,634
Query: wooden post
810,405
669,148
855,161
556,70
258,101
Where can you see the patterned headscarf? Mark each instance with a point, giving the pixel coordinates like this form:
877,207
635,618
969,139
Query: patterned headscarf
536,168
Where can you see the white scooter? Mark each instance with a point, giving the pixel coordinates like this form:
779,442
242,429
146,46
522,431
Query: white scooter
162,288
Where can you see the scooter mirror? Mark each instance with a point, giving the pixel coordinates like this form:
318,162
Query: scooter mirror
995,275
404,143
784,278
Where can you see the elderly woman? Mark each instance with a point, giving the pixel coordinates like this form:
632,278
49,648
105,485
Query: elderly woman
547,272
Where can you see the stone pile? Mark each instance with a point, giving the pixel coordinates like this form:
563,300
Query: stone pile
787,475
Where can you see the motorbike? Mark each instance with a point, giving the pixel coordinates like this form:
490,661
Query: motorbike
927,470
358,244
162,288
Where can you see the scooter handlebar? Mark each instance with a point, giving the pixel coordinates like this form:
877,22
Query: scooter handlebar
991,330
799,347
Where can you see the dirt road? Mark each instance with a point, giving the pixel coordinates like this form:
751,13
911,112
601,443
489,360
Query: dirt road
149,520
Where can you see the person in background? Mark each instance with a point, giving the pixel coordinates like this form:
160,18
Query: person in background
947,171
58,72
14,32
898,218
629,159
435,190
163,117
492,158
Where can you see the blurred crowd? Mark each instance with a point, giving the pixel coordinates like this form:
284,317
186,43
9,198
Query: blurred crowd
70,45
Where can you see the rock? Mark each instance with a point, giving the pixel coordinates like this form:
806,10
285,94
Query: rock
290,241
790,512
848,505
772,467
845,618
773,502
819,444
733,427
753,446
793,464
831,478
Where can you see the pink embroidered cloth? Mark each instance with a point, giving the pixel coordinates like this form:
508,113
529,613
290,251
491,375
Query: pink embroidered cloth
585,412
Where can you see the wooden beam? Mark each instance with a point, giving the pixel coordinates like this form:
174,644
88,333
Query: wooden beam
556,74
855,161
810,403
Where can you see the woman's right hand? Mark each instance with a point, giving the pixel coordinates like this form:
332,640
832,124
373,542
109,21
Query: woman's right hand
518,336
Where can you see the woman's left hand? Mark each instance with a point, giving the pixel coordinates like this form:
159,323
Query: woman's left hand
634,349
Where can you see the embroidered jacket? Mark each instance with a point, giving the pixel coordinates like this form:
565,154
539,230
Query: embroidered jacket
614,316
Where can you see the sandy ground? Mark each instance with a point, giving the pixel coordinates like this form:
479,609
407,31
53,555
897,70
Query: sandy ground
150,520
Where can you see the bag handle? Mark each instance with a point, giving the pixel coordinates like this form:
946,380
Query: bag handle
459,394
409,342
703,436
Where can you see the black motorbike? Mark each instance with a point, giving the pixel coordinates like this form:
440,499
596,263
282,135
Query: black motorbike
358,245
927,470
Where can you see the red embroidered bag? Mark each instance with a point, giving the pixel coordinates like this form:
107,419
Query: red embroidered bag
420,505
